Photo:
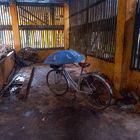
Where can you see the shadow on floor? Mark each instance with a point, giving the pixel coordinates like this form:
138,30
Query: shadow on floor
46,117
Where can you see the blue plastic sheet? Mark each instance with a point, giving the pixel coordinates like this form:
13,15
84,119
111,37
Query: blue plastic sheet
64,57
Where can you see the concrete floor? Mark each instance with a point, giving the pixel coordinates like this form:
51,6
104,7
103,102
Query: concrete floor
46,117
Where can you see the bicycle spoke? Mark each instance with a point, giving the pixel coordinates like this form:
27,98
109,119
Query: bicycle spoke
98,92
57,82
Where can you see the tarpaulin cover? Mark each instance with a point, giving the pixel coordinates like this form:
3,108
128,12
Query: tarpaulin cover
64,57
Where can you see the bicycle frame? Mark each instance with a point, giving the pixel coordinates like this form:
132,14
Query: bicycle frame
76,85
72,82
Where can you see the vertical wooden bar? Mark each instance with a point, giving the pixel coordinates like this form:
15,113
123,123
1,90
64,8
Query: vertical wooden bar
47,43
14,16
120,33
42,36
66,26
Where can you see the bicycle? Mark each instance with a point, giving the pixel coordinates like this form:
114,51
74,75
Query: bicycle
92,84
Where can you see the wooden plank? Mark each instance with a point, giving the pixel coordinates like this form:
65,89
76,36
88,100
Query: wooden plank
39,4
23,95
13,11
5,27
38,27
120,44
6,67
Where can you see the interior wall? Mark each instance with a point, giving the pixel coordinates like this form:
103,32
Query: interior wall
43,54
101,66
50,36
127,78
131,77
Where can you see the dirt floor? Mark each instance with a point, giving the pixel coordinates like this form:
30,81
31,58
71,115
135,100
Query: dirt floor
44,116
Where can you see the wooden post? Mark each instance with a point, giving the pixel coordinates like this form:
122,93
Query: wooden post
120,44
14,15
129,40
66,26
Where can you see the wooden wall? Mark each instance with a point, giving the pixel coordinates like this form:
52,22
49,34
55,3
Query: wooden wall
131,79
119,72
6,66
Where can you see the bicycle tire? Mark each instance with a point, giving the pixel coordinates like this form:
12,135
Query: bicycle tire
54,86
95,96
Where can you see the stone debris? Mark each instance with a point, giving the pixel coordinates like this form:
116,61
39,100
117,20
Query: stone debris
129,102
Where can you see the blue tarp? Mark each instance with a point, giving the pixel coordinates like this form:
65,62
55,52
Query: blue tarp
64,57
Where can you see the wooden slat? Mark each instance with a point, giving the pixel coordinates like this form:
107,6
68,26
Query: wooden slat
41,24
6,33
38,27
95,21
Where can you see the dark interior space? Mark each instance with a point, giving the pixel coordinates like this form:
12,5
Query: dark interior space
69,69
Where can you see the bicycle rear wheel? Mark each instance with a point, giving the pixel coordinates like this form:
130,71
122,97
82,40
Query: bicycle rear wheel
99,92
57,82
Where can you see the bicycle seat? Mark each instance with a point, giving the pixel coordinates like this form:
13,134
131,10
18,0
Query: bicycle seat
56,66
84,64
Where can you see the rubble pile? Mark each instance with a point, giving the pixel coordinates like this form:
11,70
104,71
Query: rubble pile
130,101
4,50
27,56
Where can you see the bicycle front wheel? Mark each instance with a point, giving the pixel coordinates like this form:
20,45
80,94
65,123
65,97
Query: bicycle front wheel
99,91
57,82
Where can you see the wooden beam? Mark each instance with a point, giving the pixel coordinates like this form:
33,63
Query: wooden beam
14,15
26,85
40,27
40,4
120,44
5,27
66,26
